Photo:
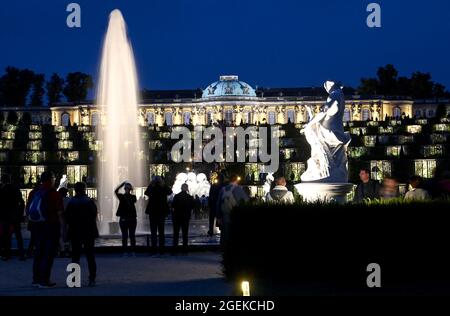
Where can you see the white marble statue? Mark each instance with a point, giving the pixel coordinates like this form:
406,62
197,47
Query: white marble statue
64,182
192,183
325,133
198,184
203,185
179,180
268,184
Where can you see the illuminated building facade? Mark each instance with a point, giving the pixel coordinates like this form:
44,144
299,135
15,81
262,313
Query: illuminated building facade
391,136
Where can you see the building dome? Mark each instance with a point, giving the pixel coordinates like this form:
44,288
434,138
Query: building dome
228,86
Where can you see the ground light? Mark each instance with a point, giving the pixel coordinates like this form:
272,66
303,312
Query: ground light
245,286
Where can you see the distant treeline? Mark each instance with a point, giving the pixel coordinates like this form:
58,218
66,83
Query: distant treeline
24,87
418,86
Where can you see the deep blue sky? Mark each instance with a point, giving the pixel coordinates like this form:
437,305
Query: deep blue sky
272,43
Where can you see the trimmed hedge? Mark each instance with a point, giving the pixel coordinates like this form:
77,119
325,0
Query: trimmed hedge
332,245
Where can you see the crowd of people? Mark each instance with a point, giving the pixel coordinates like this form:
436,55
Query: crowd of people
57,221
389,189
54,219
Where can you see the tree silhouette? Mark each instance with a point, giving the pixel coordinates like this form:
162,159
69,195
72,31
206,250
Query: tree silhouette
12,118
441,111
369,86
418,86
421,85
15,86
55,88
439,91
387,79
77,86
26,118
38,92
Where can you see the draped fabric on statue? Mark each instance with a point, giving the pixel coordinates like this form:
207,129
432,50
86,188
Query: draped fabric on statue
328,140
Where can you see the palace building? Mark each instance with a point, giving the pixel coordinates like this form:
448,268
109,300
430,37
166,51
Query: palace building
236,102
390,135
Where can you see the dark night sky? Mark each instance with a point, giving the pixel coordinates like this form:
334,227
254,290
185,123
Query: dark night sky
272,43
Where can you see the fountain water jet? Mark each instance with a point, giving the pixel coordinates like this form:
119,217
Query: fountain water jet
121,156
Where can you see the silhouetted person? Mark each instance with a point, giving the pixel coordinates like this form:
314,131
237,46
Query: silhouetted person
204,206
127,216
230,196
11,217
417,193
444,184
197,207
439,185
431,185
63,238
183,205
213,198
32,242
81,219
367,189
44,205
157,210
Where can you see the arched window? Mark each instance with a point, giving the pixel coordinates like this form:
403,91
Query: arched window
229,116
94,119
365,114
272,116
187,118
150,118
290,116
347,115
418,113
246,118
397,112
209,118
168,118
65,119
430,113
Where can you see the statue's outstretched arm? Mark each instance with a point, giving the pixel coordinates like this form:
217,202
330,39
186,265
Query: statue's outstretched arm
317,119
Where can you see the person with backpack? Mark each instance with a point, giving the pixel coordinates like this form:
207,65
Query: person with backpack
182,205
157,211
81,219
43,209
280,193
128,216
230,196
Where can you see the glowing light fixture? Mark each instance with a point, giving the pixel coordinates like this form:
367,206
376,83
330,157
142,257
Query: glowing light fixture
245,286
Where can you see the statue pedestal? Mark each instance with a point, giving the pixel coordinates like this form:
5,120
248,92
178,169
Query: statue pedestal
327,192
